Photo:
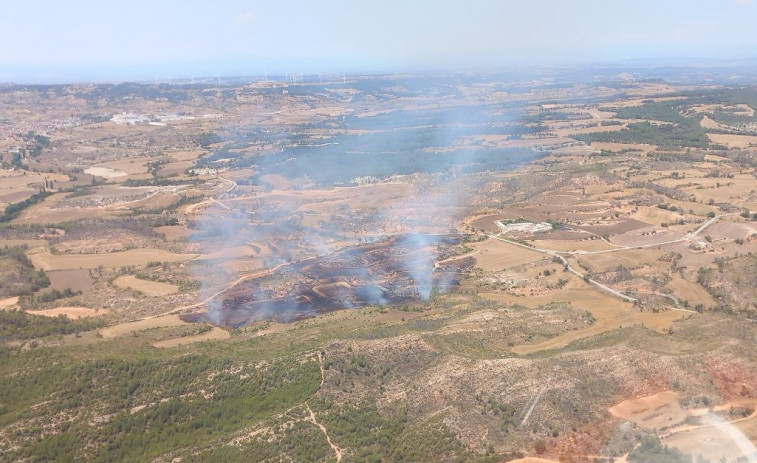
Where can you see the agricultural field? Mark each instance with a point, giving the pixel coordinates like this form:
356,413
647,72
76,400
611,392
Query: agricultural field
360,270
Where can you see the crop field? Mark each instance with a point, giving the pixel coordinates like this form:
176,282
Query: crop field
609,314
693,292
578,245
494,255
146,287
71,312
628,258
46,261
122,329
76,280
735,141
267,269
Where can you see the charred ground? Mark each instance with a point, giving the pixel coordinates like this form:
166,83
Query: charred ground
351,239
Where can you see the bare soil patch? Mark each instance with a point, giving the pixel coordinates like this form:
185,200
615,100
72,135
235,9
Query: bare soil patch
651,412
532,460
608,311
8,303
495,255
574,245
147,287
47,261
71,312
640,148
77,280
20,242
631,258
733,141
175,232
105,172
147,323
690,291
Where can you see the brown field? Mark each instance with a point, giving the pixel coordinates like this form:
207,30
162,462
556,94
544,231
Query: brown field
734,141
564,235
175,168
731,230
131,166
690,291
71,312
105,172
13,180
654,235
714,158
655,215
8,303
43,213
214,334
230,253
631,258
749,427
609,313
494,255
121,329
574,245
651,412
16,195
146,287
278,182
613,227
77,280
46,261
174,233
29,243
734,190
185,155
155,201
640,147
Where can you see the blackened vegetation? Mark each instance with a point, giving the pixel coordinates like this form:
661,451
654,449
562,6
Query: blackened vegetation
394,273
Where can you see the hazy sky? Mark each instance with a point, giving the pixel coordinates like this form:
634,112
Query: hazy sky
206,37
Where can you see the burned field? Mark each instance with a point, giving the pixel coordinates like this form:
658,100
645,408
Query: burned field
395,272
345,255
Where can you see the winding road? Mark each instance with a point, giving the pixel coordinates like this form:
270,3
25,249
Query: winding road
607,289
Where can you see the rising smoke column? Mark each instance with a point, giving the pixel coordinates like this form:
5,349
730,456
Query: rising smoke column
423,218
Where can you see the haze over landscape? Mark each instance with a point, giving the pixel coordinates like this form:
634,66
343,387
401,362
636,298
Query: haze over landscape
116,41
444,231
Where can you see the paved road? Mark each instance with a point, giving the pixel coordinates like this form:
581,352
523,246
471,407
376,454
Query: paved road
607,289
568,267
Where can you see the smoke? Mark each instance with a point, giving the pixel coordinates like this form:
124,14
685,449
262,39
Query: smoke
745,446
335,251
